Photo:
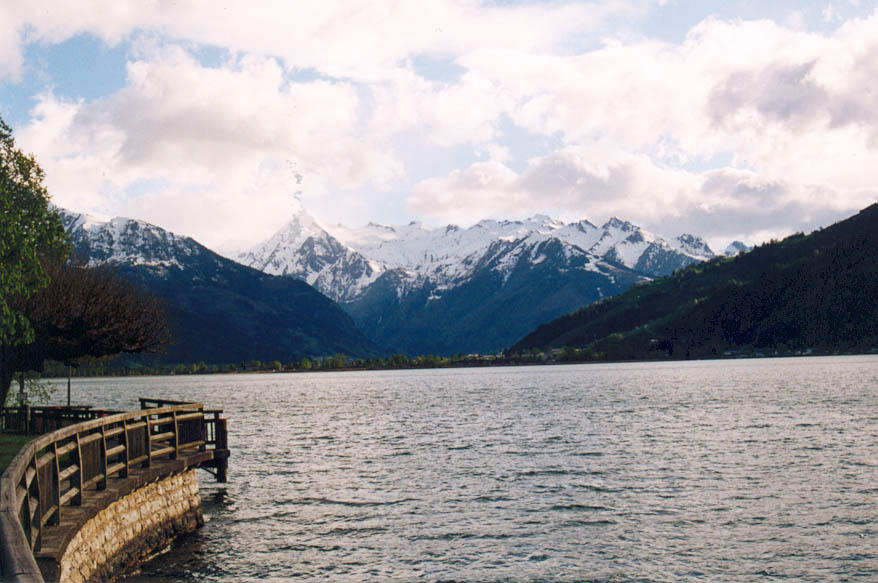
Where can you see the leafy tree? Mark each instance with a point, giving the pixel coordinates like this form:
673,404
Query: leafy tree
48,308
29,233
337,360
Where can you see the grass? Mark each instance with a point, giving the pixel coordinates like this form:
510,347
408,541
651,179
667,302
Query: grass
9,446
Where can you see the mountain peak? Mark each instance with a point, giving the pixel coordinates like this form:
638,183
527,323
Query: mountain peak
445,257
121,240
736,247
619,224
694,245
584,225
545,222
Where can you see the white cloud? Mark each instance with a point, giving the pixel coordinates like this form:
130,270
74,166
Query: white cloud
574,182
722,204
10,45
788,109
478,191
357,39
637,126
213,138
184,136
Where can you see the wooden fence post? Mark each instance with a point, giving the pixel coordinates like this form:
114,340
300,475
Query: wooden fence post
148,428
102,483
77,500
56,487
222,443
124,472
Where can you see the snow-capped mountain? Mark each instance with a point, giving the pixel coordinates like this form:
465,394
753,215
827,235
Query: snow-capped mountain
126,241
450,289
736,247
344,262
410,288
220,311
303,249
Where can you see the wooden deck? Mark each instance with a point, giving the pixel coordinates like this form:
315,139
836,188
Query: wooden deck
62,479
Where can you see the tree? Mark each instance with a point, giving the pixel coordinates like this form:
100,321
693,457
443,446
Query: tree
30,236
85,313
48,308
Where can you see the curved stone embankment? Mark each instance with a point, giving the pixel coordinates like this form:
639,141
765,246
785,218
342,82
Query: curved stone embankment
94,500
129,531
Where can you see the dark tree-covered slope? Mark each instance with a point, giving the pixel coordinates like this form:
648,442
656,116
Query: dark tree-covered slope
494,305
220,311
806,292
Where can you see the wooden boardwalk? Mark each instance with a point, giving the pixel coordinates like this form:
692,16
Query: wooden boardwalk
62,479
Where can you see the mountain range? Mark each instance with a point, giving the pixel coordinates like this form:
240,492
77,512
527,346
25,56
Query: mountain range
312,291
448,290
220,311
811,293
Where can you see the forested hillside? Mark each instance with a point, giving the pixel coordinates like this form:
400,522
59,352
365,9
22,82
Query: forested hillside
219,311
805,293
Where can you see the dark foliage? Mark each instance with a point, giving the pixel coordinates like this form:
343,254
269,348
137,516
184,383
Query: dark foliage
92,312
485,313
86,313
815,292
222,312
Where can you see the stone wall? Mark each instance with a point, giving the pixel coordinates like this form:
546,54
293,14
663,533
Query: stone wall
132,529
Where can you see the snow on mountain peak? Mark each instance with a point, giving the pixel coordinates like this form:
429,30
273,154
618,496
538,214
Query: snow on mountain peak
693,246
736,247
120,240
618,224
446,256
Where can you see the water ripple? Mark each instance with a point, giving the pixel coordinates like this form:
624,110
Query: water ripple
697,471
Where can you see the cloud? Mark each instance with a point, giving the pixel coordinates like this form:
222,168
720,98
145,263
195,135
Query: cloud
719,90
225,135
743,128
722,204
575,182
642,125
10,45
354,39
478,191
184,135
782,94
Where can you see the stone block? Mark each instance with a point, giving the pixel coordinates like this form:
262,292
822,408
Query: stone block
132,528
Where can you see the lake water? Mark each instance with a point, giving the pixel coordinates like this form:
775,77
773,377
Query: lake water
721,471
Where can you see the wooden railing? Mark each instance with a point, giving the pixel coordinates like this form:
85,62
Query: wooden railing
60,469
216,436
29,420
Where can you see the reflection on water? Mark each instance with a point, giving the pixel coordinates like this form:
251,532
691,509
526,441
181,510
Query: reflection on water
721,471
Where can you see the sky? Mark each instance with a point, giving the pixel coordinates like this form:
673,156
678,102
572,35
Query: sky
738,119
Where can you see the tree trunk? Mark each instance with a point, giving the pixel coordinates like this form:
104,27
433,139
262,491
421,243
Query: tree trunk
6,375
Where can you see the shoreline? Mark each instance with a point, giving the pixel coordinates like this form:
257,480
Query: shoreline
474,362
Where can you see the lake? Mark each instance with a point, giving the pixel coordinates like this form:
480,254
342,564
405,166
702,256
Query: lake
732,470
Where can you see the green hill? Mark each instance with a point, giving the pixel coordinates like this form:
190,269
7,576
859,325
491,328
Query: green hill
805,293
